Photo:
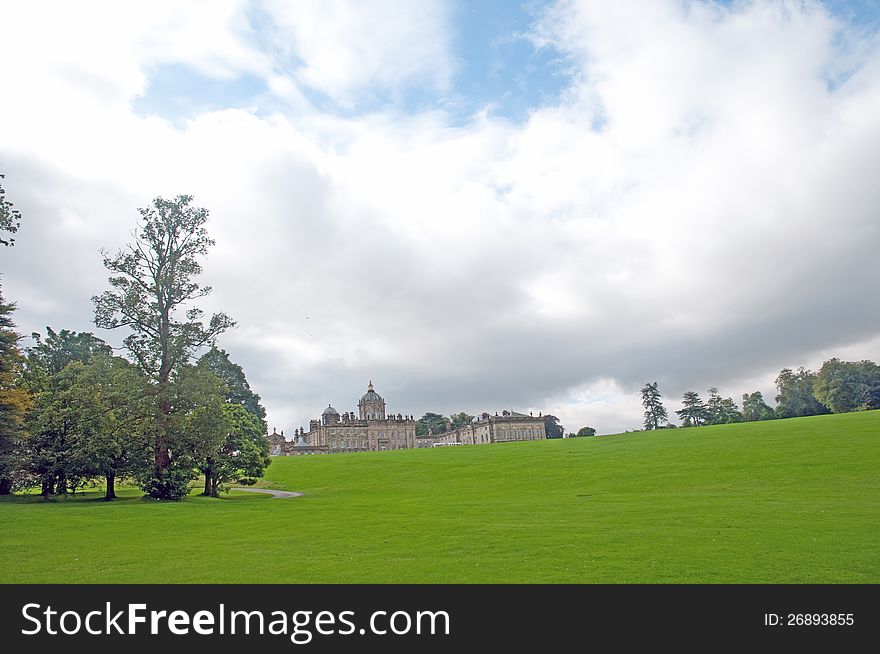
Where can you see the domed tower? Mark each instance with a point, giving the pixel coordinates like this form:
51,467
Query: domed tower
330,416
371,405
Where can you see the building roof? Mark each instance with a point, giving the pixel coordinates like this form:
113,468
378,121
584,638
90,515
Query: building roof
370,395
329,411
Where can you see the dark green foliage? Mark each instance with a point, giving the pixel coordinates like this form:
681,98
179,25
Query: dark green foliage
795,398
720,410
238,390
693,412
655,412
586,431
431,423
755,408
244,453
14,403
848,386
152,283
460,419
10,218
552,427
50,356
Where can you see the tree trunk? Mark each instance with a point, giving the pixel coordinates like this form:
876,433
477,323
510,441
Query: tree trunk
5,486
207,484
214,481
46,487
111,486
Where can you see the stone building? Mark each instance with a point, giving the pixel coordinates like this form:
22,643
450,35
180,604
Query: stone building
373,430
370,431
509,426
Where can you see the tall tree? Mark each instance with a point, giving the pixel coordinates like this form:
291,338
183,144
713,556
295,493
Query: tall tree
14,401
238,389
755,408
460,419
552,427
152,282
795,394
845,386
431,423
655,412
10,218
721,411
693,412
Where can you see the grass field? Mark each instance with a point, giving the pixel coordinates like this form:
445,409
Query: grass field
785,501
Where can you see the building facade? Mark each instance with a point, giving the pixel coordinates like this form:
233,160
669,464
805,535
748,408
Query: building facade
372,430
509,426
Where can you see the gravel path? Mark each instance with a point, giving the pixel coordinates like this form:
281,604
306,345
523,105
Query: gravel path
273,493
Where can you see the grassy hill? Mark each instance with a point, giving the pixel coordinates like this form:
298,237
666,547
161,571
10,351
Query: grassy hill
785,501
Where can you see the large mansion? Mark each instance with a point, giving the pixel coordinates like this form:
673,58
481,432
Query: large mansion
372,430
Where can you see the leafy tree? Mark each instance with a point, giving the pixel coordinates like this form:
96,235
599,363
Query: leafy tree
50,356
655,412
53,440
552,427
14,401
115,416
431,423
693,412
195,428
152,282
243,453
848,386
720,410
55,434
10,218
755,408
586,431
795,396
238,389
460,419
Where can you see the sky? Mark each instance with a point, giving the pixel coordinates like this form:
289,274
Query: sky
537,206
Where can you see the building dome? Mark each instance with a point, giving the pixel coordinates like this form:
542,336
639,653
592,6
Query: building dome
371,405
370,395
329,411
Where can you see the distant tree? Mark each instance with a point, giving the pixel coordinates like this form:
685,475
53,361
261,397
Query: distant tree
655,412
14,402
431,423
238,389
693,412
152,282
755,408
848,386
460,419
720,410
586,431
552,427
10,218
795,394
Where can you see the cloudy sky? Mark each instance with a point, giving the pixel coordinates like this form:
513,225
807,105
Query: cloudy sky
477,205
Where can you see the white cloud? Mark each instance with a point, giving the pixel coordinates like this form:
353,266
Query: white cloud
699,208
348,49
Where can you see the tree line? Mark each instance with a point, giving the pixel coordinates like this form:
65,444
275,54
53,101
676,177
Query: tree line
73,412
838,387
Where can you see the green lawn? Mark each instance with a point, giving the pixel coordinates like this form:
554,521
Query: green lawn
785,501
